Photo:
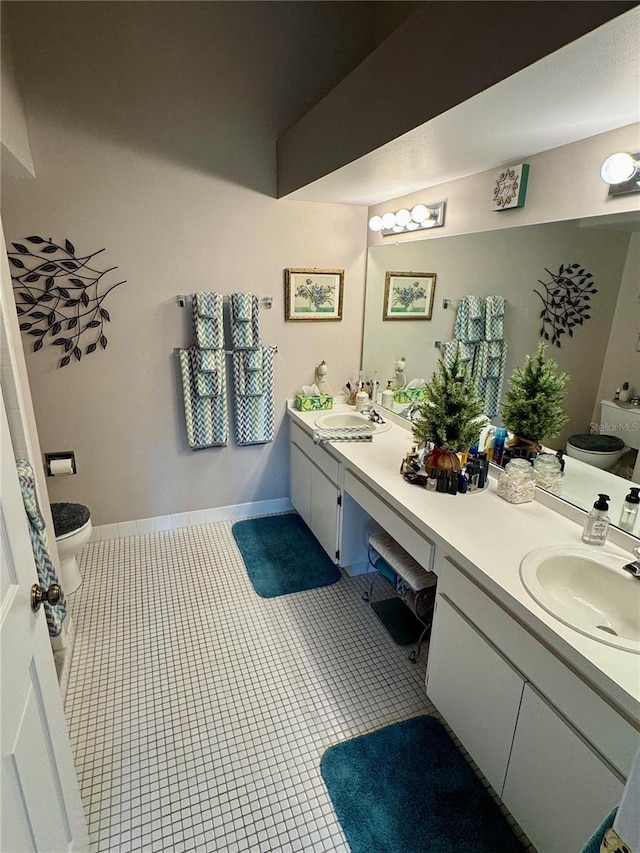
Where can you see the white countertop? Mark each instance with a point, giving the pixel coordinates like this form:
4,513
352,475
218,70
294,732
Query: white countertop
489,537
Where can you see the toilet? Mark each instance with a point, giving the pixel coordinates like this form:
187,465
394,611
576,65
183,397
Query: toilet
72,526
619,430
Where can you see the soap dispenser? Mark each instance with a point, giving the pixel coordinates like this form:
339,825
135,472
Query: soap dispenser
630,510
597,524
387,396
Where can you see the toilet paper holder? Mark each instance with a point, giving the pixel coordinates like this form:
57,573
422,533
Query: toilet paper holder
60,463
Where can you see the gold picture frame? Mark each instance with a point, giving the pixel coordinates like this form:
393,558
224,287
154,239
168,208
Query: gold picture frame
408,295
313,294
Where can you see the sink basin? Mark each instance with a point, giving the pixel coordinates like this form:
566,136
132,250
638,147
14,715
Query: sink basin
338,420
588,591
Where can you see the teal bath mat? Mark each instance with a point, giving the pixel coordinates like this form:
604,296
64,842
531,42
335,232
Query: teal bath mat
407,789
282,555
399,621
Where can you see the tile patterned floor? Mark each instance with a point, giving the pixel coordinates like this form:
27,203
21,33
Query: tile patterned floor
198,712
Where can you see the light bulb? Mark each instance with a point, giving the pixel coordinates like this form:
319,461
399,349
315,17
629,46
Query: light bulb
618,168
411,226
403,217
389,220
419,213
375,223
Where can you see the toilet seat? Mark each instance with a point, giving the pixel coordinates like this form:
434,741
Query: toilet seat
595,443
68,519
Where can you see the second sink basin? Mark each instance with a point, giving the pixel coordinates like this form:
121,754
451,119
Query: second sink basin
338,420
588,591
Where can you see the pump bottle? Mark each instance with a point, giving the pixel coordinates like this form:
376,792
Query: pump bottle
630,510
597,524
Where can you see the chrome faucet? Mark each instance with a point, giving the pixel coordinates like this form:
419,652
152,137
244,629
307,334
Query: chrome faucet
634,567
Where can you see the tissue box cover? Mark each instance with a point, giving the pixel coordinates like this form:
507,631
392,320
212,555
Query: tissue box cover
313,404
408,395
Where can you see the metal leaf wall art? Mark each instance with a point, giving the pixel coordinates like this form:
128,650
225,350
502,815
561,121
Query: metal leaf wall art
58,295
566,301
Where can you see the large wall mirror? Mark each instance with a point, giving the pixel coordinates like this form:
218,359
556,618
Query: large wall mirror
601,355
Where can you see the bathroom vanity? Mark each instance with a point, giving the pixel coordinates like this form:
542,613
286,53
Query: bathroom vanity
551,716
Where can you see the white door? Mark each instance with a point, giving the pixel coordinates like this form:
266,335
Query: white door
41,805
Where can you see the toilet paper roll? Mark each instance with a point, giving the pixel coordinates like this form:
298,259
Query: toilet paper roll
60,466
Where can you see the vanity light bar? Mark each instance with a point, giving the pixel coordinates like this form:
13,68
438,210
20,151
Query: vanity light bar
420,218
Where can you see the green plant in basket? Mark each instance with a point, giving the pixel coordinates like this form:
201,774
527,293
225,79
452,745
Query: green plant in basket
534,406
451,415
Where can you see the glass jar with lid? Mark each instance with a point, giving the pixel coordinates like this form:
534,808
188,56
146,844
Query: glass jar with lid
548,473
517,483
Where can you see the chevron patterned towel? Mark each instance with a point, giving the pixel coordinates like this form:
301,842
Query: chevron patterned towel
254,413
44,567
466,352
210,381
207,320
245,321
494,318
489,373
469,324
358,433
206,418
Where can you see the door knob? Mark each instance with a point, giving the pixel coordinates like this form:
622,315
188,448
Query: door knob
39,594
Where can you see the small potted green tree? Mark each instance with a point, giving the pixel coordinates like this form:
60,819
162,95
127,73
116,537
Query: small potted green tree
534,406
450,416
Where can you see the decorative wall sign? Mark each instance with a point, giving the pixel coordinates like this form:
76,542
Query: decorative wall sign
58,294
510,188
408,295
566,301
313,294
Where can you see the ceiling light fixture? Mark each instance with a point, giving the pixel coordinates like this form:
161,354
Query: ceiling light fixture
421,216
622,172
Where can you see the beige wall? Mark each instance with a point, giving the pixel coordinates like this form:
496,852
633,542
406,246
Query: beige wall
154,137
622,359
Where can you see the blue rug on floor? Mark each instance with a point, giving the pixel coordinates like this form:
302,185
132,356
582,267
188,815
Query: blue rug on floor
407,789
282,555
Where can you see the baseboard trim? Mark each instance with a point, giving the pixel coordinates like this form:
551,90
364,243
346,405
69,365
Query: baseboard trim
142,526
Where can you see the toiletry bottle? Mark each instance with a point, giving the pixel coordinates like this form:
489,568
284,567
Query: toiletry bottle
597,524
432,482
616,396
387,396
630,510
498,445
362,398
625,392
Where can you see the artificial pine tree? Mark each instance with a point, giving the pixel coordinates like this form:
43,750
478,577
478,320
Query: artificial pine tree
534,408
451,415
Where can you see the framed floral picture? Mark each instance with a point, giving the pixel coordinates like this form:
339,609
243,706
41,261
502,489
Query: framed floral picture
408,295
313,294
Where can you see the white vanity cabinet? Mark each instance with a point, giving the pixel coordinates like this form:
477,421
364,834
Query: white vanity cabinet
315,489
499,690
476,690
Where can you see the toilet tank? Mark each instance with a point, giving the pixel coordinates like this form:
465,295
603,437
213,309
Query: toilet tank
621,420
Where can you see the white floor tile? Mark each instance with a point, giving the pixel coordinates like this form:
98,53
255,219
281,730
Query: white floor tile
198,712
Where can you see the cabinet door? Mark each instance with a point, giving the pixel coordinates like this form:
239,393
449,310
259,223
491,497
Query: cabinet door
300,485
475,689
324,512
557,787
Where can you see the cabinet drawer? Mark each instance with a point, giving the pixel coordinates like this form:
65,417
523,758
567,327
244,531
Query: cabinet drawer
318,455
420,548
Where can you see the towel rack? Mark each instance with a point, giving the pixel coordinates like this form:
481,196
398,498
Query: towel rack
183,300
450,303
176,350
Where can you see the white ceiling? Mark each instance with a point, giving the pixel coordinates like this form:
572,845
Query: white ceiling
588,87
